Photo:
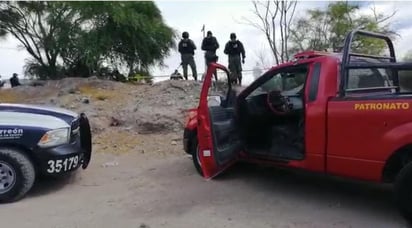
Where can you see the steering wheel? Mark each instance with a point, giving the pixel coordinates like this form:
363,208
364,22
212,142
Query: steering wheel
278,103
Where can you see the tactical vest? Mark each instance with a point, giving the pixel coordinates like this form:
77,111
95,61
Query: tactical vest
234,48
186,47
210,41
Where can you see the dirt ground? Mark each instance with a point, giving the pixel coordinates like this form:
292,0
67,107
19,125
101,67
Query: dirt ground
140,177
146,190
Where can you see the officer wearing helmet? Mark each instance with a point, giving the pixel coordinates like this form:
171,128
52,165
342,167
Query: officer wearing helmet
210,45
187,50
235,50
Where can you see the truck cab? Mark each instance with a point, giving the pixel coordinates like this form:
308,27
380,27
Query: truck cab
342,114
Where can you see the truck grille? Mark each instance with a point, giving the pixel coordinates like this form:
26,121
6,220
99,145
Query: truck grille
75,129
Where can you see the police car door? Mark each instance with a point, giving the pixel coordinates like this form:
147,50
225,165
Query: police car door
218,136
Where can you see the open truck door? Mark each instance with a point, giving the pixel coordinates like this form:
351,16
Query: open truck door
218,136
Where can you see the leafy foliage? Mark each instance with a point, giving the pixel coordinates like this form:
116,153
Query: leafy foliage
327,29
83,36
37,25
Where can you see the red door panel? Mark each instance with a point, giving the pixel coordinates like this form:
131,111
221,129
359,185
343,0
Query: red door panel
359,135
218,138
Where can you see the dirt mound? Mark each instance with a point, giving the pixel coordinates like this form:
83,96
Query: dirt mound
53,88
161,107
145,109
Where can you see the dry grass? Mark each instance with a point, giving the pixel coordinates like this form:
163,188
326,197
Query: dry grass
117,141
97,93
27,94
9,96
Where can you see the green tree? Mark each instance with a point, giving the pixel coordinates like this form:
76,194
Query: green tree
37,26
83,36
327,28
130,34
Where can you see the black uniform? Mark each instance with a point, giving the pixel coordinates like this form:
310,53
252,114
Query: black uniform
176,76
210,45
187,50
14,81
234,49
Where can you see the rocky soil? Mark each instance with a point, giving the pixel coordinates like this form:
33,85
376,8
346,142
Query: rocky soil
120,114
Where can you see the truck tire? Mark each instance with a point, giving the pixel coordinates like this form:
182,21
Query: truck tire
17,175
194,150
403,192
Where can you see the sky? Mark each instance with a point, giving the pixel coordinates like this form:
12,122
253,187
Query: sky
222,18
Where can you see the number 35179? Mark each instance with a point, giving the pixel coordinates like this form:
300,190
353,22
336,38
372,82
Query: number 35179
62,165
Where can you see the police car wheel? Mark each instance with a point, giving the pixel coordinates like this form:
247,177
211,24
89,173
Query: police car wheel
17,175
403,192
194,150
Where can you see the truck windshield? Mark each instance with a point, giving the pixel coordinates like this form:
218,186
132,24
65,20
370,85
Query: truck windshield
289,82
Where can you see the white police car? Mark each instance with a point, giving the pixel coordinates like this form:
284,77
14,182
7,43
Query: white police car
39,140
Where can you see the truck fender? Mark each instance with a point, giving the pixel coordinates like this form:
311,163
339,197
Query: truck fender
397,138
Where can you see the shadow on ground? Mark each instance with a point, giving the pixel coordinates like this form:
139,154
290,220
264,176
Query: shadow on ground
47,185
372,198
271,195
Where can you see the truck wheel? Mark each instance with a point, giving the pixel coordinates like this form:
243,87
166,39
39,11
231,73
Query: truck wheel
194,150
17,175
403,192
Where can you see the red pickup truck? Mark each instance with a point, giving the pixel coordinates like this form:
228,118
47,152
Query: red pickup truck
342,114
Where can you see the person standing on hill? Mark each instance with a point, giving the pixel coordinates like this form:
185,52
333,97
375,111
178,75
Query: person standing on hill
210,45
187,50
234,49
14,81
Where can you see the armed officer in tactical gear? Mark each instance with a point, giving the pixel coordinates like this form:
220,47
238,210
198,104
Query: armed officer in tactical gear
210,45
187,50
234,48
